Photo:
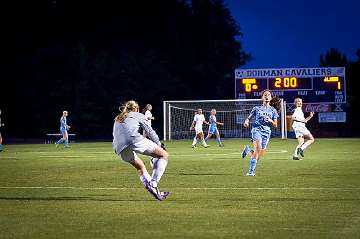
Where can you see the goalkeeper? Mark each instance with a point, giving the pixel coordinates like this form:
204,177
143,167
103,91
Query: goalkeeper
128,141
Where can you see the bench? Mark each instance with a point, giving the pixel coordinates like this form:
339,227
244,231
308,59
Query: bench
52,138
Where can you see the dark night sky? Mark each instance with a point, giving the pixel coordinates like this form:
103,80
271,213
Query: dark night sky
293,33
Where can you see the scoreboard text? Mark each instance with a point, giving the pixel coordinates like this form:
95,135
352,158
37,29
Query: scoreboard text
320,85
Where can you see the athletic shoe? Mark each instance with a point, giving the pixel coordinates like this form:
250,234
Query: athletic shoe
164,195
56,145
246,151
67,146
300,151
206,146
221,145
193,146
250,174
296,158
154,191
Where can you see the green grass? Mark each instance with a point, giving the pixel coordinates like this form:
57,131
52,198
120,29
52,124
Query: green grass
87,192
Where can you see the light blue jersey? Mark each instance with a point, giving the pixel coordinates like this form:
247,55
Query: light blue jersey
63,125
212,126
261,128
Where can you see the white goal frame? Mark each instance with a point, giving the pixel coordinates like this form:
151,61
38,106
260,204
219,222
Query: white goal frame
168,104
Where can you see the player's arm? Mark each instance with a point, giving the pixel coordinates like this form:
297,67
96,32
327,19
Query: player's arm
150,132
247,120
219,123
272,121
309,117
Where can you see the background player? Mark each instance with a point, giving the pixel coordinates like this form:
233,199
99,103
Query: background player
147,112
128,141
197,124
213,128
301,132
148,115
1,139
265,117
64,130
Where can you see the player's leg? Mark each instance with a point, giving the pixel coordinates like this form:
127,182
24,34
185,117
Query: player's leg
62,140
309,141
66,139
194,140
255,156
218,139
201,134
159,158
208,136
130,156
300,140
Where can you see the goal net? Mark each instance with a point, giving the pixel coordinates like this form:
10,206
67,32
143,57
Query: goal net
178,116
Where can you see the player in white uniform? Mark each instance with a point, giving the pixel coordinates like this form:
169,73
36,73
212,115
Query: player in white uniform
148,116
147,112
301,132
197,124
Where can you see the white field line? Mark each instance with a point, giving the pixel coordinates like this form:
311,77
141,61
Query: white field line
195,188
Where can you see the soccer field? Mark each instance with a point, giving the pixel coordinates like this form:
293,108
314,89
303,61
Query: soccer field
87,192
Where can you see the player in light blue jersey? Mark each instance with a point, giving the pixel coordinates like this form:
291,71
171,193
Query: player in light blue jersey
64,130
213,128
265,117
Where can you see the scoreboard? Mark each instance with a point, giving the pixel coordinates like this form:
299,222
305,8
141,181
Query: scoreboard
323,89
315,85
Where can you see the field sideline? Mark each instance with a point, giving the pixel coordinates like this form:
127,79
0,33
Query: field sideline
87,192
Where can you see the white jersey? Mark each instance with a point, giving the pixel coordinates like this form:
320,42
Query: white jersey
148,117
298,114
199,120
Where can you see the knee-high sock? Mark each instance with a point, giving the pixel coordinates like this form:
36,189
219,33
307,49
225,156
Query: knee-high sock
194,141
145,178
252,165
203,143
305,145
295,152
158,171
60,141
66,142
218,140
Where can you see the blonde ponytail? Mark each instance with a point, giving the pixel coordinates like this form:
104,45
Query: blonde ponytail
125,109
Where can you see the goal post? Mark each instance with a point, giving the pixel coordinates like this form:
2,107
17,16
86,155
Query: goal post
178,116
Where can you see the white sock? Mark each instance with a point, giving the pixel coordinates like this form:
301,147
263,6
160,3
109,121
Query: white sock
204,143
304,146
295,153
158,171
194,141
145,178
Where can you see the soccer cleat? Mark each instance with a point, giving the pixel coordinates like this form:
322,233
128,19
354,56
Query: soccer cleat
56,145
154,191
250,174
67,146
164,195
296,158
221,145
193,146
246,151
300,151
